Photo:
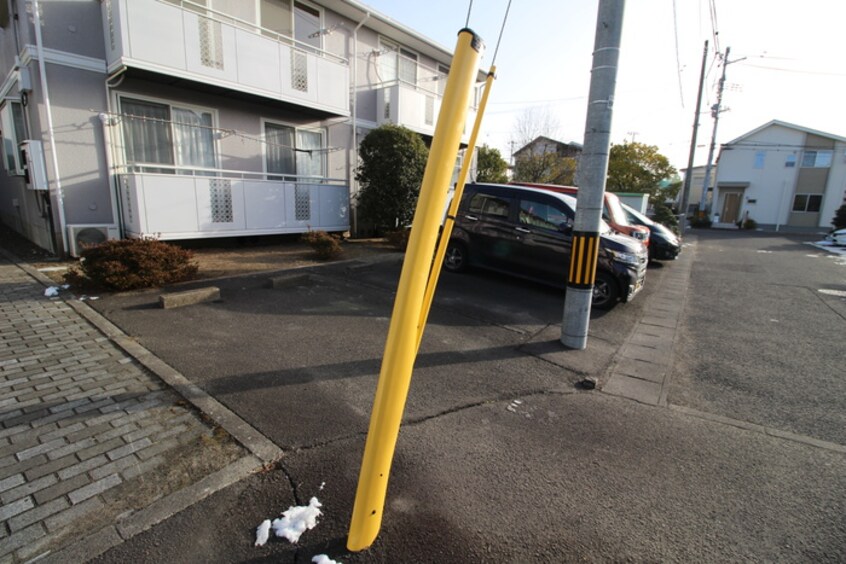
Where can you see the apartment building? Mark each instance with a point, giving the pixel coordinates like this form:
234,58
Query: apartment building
181,119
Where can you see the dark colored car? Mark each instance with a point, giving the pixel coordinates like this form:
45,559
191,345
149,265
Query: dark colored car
663,243
527,232
612,213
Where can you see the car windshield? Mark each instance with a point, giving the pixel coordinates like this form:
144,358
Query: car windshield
604,228
636,214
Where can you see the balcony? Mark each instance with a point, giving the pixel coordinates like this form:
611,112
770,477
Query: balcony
414,107
217,49
175,203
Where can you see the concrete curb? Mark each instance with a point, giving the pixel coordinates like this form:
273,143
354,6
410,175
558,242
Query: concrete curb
189,297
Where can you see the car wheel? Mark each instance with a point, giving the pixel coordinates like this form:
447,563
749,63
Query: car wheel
455,259
605,291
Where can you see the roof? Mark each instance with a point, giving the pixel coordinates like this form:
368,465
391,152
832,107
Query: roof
789,126
391,28
540,138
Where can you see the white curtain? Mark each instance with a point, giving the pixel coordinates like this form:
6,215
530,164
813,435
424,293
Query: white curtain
146,133
279,150
193,139
309,163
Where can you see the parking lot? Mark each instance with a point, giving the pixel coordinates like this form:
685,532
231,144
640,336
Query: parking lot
501,457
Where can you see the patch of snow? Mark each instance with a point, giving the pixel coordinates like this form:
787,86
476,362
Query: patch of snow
51,292
297,520
263,533
52,269
322,485
838,293
765,252
323,559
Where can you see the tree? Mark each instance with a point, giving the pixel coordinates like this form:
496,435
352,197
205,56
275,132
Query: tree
534,122
490,166
546,168
839,221
393,159
638,167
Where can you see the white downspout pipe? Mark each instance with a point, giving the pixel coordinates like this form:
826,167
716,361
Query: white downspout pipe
354,159
42,70
108,120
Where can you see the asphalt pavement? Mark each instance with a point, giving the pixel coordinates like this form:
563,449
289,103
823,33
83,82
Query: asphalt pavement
502,458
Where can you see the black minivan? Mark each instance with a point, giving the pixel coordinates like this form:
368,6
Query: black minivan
527,232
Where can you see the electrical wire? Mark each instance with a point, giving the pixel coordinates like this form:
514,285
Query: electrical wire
678,59
712,5
800,71
501,30
221,131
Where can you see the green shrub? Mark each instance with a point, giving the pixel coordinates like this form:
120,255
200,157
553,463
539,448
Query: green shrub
750,224
129,264
664,215
325,246
399,238
393,159
839,221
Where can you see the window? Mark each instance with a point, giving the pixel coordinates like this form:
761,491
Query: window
282,19
543,216
816,159
790,161
155,133
291,152
14,131
807,202
397,63
759,159
489,205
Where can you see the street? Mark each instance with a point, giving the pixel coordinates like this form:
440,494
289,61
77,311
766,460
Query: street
501,458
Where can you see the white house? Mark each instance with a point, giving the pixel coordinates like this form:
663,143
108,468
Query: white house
783,176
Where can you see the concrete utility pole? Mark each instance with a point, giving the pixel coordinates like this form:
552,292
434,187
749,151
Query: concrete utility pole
593,170
687,176
715,112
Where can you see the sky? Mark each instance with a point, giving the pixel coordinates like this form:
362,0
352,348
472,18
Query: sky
785,64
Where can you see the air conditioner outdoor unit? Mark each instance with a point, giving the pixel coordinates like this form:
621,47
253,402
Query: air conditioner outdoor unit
81,235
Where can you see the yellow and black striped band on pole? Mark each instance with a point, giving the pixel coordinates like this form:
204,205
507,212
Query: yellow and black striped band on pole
583,256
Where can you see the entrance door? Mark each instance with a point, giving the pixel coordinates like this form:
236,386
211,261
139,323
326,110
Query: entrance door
731,207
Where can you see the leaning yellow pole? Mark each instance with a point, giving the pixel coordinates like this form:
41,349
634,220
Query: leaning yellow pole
449,222
401,345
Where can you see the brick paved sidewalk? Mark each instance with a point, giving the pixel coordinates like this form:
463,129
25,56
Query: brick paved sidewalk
87,436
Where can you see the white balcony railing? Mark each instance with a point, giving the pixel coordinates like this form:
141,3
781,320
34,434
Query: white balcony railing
190,203
414,107
221,50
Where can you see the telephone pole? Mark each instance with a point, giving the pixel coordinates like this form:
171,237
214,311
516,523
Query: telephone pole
593,169
687,177
715,112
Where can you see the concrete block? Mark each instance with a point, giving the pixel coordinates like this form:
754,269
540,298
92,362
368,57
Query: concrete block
633,388
189,297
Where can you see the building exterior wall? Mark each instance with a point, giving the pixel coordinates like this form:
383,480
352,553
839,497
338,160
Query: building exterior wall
85,109
770,161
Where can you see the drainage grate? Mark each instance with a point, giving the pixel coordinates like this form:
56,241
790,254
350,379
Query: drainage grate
220,193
